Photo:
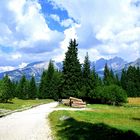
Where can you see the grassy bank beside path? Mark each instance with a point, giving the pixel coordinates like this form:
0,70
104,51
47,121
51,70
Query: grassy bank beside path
16,104
98,122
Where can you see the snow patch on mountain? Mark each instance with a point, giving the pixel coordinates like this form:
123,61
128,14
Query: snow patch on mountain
36,68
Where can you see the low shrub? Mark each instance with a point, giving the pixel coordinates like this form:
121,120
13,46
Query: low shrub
111,94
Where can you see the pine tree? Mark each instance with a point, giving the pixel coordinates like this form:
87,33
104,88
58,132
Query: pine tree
50,80
117,80
131,86
22,88
6,89
138,81
112,77
16,86
86,70
32,91
42,86
95,82
106,78
54,85
130,81
71,71
86,77
13,88
109,77
124,79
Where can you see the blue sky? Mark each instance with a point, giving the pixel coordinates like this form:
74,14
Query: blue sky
48,10
36,30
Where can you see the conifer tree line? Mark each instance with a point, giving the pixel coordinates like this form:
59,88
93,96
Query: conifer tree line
130,81
76,80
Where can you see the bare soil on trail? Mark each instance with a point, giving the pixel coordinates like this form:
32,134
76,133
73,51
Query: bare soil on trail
27,125
30,124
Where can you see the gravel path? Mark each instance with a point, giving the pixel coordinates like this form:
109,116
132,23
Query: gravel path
27,125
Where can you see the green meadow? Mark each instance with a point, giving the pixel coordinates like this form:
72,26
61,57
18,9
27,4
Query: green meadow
98,122
15,103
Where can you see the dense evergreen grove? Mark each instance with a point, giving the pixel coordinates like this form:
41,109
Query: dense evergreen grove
130,81
75,80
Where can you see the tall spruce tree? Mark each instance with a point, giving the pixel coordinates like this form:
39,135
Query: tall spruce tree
106,78
109,77
138,81
96,80
54,85
132,79
22,88
50,80
86,77
71,71
117,80
86,70
124,79
42,86
32,91
6,89
14,88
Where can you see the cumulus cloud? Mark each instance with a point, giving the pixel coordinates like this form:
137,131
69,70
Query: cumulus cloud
16,56
67,22
55,17
41,46
106,26
6,68
103,29
23,27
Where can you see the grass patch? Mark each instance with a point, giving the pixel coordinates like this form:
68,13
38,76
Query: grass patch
18,103
101,122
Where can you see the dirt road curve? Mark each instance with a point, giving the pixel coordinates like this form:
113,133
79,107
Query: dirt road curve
27,125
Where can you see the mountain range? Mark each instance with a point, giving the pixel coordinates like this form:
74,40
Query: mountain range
36,68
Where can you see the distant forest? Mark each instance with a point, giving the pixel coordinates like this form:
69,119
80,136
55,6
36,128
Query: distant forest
75,80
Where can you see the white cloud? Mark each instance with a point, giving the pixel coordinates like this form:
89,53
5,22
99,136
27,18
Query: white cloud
59,53
55,17
92,52
103,29
23,27
16,56
69,33
67,22
106,24
6,68
128,36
